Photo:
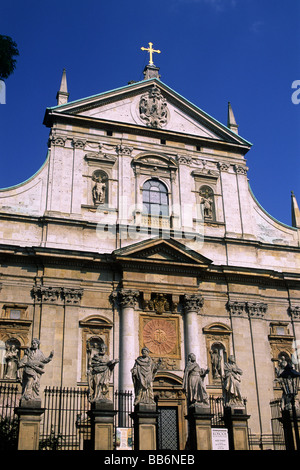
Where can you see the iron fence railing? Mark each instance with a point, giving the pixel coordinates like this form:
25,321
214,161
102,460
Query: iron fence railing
65,422
9,399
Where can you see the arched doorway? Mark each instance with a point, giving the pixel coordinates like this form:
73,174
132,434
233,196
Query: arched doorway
171,406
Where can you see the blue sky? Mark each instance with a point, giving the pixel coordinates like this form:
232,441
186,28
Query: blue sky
213,51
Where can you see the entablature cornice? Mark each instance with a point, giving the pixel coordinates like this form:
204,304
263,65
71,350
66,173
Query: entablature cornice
53,117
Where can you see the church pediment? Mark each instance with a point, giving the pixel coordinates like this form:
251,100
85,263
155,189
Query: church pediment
150,104
161,252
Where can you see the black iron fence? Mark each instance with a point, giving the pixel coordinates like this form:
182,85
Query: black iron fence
65,422
217,410
9,400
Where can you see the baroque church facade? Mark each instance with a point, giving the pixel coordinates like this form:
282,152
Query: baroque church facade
141,230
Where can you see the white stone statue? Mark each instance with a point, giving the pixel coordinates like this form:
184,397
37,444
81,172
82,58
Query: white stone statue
99,374
98,191
143,373
231,383
33,364
12,359
193,382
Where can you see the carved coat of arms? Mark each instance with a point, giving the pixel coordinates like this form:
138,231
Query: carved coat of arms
153,108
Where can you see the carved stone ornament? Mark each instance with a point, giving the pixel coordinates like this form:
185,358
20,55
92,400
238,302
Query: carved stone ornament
193,302
294,311
251,309
57,140
160,336
153,108
159,304
125,297
54,294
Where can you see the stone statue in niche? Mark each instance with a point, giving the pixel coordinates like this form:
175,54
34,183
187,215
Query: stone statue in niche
99,374
11,359
143,374
231,383
153,108
193,382
99,189
216,363
33,364
207,202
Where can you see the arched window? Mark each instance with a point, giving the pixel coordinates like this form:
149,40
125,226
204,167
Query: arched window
155,198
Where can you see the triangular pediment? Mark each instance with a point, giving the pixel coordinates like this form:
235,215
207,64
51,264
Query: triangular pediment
150,104
162,252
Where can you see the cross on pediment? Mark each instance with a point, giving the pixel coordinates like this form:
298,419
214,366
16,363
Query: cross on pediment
151,51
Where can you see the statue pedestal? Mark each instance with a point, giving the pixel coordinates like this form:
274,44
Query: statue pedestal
29,413
102,415
236,420
199,419
145,426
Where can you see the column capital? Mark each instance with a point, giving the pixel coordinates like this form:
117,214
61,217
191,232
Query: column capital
193,302
126,297
46,293
294,311
247,309
256,309
72,296
56,294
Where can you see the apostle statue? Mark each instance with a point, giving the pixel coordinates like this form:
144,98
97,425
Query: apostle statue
193,382
11,359
216,363
33,364
231,382
143,373
98,190
99,374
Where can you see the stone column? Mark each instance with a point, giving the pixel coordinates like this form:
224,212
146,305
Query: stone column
102,416
192,304
127,299
29,414
199,419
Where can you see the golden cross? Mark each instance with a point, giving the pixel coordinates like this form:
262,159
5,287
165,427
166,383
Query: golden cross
150,50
